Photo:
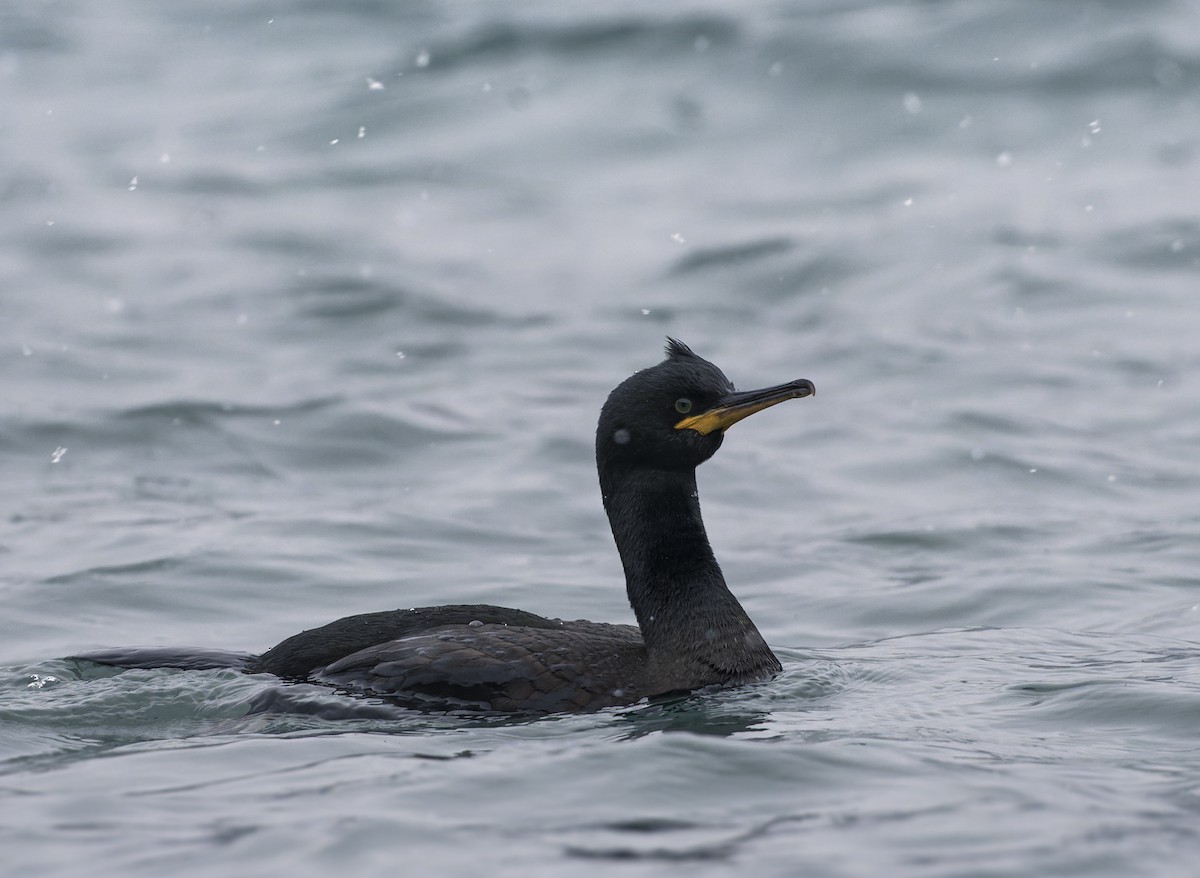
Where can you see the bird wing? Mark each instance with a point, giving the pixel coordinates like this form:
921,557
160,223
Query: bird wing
499,668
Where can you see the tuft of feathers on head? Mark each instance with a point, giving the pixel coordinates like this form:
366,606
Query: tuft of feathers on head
680,354
677,350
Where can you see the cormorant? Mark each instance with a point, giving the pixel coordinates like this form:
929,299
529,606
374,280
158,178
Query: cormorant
656,427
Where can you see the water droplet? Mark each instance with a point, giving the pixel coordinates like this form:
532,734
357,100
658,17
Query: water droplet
1004,160
164,159
423,58
1112,478
362,131
374,84
1033,469
58,454
133,184
678,238
622,437
333,142
276,422
912,103
908,202
475,623
1094,126
399,355
645,312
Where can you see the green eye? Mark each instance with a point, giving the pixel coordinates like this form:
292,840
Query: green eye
683,406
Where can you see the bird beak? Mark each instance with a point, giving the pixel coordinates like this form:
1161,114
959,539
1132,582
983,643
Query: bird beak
732,408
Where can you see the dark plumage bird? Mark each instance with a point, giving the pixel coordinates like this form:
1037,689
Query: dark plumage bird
655,429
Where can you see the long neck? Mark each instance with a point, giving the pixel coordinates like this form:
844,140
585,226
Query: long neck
686,612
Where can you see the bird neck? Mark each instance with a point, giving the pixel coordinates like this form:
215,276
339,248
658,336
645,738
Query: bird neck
675,586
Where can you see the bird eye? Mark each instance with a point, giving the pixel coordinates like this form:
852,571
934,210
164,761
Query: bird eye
683,406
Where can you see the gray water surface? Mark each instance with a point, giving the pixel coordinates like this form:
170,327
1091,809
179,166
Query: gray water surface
309,309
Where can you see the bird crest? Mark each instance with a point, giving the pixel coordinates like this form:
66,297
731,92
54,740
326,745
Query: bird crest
677,350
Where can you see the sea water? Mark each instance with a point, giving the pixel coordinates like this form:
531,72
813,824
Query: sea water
309,309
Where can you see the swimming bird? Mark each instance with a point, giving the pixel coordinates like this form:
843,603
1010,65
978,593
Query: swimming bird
656,427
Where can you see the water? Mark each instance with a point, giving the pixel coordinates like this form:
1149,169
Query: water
309,309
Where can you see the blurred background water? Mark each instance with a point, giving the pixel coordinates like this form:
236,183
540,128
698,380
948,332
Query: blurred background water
308,309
